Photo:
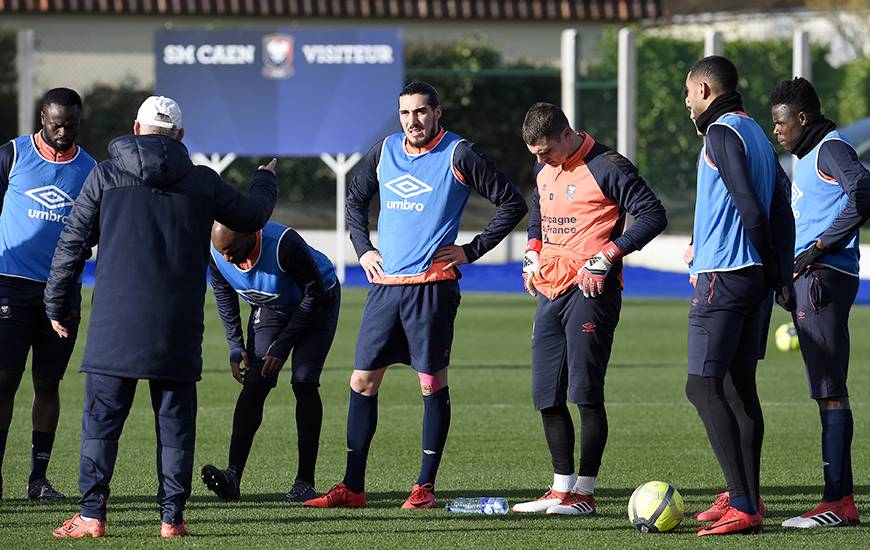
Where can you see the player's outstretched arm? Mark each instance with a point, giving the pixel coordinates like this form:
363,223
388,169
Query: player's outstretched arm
481,174
246,213
79,235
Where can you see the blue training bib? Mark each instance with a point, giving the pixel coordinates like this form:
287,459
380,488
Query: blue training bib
39,198
266,283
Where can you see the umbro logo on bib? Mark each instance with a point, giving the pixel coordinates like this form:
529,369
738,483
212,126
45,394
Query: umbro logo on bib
258,296
50,196
407,187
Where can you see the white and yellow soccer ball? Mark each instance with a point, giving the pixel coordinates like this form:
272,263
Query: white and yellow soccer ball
786,337
655,507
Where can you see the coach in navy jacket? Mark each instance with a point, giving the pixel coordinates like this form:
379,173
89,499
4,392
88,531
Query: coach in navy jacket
151,211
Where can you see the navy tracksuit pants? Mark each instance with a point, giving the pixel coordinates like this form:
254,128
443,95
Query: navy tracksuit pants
107,404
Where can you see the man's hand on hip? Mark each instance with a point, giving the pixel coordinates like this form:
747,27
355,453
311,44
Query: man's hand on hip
452,254
371,264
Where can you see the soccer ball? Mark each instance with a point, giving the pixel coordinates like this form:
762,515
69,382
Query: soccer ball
655,507
787,338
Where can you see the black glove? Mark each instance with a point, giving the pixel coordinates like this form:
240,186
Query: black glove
772,276
785,296
806,258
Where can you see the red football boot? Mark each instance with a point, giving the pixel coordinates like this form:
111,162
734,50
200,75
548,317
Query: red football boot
338,497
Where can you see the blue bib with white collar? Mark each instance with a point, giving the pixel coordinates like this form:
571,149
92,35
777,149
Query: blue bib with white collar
816,202
721,242
37,202
266,283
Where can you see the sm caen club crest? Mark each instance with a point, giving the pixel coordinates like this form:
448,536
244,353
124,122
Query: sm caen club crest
277,56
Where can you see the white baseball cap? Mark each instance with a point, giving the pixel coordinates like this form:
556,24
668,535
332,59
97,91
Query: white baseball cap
160,111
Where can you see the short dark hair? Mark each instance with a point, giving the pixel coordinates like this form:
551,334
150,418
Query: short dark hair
798,94
61,96
422,88
717,70
543,120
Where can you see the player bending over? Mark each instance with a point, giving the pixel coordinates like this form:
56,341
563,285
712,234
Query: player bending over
294,297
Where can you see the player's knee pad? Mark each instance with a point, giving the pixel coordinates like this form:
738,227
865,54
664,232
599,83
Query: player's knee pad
429,383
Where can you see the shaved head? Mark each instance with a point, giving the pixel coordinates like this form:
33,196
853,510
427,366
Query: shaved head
233,246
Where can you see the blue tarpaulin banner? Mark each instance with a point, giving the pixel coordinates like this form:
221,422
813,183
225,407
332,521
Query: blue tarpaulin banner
640,282
282,92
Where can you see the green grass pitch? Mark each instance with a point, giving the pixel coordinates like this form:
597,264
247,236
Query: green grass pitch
496,447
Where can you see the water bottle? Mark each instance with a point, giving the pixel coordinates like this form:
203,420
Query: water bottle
478,505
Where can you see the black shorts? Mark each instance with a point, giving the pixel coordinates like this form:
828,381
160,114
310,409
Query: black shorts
824,300
728,321
410,324
24,328
308,355
571,342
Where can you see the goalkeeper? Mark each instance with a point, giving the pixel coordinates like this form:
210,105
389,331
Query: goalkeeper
582,193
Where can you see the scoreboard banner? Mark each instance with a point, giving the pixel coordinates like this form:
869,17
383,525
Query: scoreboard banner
282,92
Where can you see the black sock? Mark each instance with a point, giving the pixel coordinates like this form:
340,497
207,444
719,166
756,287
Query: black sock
309,418
362,421
593,438
742,395
708,396
837,426
246,421
559,433
40,454
436,424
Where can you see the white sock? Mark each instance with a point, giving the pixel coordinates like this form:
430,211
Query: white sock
562,483
585,485
86,518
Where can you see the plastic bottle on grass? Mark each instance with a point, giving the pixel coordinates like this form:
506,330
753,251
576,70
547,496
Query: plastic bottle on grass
478,505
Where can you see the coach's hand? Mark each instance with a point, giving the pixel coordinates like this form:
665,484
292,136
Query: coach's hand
240,369
272,365
452,254
269,167
59,329
531,267
371,264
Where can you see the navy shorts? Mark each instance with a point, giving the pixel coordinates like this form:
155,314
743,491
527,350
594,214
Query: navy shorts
24,328
571,342
410,324
728,321
824,299
308,355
